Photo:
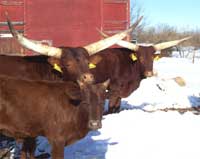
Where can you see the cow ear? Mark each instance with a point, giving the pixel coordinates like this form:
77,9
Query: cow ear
95,59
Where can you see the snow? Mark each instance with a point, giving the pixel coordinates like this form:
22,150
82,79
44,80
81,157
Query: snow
134,133
163,91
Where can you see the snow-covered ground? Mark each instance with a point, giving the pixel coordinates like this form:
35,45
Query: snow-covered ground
134,133
137,134
163,91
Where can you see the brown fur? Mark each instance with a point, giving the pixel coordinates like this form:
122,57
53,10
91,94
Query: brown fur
58,110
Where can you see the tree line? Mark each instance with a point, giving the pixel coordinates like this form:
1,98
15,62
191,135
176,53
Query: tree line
145,33
164,32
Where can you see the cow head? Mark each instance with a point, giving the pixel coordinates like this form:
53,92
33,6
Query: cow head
73,61
96,98
146,54
73,64
90,99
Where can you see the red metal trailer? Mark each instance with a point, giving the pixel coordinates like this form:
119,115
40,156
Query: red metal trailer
62,22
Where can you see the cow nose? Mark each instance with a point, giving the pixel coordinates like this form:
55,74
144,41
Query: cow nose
148,73
94,124
87,78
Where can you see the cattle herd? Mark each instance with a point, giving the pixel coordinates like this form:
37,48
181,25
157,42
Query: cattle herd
60,93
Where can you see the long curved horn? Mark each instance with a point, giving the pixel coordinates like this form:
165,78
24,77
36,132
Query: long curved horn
169,44
122,43
34,45
105,43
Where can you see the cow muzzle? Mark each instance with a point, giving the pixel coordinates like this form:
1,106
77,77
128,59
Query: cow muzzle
94,124
86,78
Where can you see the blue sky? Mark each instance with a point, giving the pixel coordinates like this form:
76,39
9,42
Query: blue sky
179,13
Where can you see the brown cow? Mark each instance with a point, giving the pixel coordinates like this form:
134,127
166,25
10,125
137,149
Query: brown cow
73,61
61,111
126,68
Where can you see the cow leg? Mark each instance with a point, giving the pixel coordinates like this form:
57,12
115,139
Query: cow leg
28,148
114,102
117,105
114,97
114,105
57,149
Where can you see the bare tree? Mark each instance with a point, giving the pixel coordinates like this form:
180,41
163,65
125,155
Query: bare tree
145,33
137,11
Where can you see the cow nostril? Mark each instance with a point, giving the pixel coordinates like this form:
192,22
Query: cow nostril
88,78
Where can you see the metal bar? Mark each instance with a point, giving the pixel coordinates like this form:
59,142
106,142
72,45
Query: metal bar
115,1
14,23
7,31
11,3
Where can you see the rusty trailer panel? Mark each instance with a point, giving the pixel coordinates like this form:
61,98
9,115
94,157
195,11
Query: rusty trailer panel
115,16
71,23
64,22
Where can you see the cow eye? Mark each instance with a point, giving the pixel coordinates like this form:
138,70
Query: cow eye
78,59
68,64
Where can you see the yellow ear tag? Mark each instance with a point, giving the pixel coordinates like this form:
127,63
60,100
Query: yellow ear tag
156,58
91,65
56,67
133,57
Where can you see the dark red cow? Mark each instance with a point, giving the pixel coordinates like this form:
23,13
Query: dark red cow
126,68
61,111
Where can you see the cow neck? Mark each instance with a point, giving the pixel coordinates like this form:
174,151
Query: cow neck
83,107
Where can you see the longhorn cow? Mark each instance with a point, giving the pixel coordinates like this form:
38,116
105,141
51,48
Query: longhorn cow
126,67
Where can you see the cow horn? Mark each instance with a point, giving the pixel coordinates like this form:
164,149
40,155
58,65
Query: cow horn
169,44
122,43
34,45
109,41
